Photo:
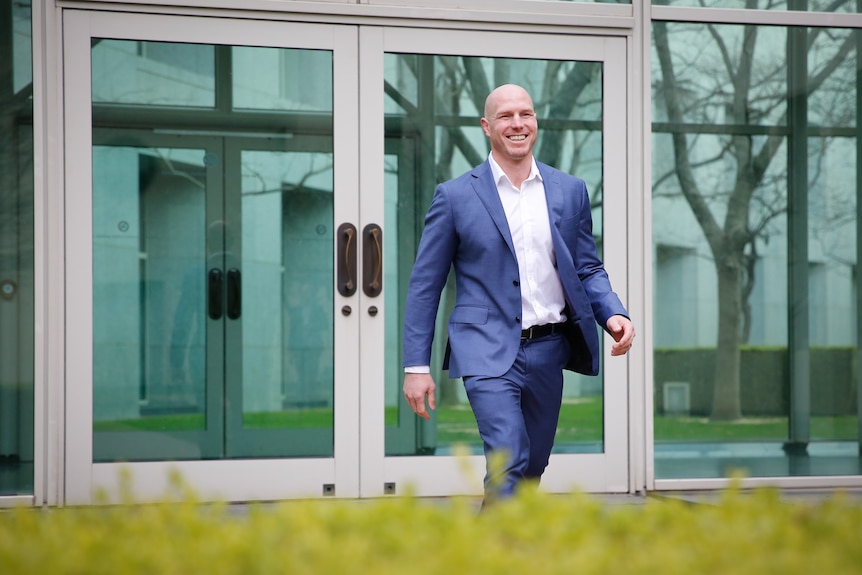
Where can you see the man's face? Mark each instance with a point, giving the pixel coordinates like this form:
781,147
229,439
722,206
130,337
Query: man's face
510,124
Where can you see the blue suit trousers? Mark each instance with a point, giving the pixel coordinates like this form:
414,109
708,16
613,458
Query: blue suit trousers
517,413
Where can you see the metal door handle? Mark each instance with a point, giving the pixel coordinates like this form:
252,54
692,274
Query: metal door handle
372,260
234,293
215,286
346,246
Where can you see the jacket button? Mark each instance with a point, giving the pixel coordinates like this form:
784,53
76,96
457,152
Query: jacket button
517,320
515,283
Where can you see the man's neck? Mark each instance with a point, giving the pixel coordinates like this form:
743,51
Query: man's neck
516,170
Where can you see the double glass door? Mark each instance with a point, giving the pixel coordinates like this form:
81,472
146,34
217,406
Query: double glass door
243,208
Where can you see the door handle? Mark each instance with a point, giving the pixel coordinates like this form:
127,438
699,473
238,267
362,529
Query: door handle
234,293
346,247
215,301
372,260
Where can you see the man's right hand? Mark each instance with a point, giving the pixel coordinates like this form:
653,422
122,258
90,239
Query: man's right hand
416,387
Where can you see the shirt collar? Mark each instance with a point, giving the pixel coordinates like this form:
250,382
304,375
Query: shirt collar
498,172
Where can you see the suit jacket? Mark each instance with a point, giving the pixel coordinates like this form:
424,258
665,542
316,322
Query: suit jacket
466,227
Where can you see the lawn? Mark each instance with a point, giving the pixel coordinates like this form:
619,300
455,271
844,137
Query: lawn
581,421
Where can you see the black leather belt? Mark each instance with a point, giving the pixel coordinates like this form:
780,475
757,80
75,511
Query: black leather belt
541,330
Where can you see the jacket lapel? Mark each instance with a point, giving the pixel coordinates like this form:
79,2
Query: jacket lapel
486,189
553,195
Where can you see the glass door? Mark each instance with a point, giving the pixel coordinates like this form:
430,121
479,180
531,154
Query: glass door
424,99
209,188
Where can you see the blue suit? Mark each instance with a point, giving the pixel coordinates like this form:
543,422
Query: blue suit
466,227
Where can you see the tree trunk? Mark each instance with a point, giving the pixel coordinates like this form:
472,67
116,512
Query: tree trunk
726,398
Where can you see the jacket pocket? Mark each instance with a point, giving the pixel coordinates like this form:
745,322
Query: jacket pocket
469,314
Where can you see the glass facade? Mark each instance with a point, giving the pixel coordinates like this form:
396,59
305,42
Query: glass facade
755,250
214,201
16,250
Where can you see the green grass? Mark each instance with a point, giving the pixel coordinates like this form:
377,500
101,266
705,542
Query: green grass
580,421
749,429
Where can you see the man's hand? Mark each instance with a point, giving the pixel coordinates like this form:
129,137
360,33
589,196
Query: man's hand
416,387
623,332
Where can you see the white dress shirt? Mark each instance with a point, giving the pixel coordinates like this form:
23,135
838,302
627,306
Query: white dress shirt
542,299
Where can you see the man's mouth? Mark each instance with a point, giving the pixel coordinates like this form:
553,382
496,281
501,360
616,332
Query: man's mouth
518,138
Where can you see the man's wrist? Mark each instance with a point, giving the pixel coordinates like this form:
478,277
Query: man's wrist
417,369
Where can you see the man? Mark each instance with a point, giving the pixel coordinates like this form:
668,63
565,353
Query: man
529,289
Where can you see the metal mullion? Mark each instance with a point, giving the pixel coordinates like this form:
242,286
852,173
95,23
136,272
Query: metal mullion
799,334
224,79
176,119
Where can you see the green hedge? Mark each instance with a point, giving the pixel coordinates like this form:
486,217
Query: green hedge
765,380
754,533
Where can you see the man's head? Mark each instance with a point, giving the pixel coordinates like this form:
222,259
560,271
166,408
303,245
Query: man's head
510,124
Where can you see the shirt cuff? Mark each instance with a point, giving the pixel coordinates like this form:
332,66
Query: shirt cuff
417,369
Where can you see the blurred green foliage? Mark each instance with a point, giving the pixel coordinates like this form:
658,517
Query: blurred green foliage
751,533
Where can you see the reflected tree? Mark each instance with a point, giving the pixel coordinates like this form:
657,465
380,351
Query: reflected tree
729,79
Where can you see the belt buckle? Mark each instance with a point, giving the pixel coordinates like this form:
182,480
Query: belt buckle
530,332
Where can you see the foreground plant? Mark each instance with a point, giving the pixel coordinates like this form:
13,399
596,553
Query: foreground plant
754,532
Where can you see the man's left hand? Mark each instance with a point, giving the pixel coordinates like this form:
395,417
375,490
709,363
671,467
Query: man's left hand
623,332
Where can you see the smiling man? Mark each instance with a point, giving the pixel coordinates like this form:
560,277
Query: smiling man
530,288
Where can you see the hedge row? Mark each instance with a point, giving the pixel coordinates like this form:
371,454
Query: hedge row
764,379
534,533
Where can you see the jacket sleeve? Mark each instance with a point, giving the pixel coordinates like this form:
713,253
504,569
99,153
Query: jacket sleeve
434,258
591,270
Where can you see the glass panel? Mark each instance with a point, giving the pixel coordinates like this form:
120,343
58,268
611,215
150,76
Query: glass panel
755,242
433,105
287,340
213,268
150,265
294,79
16,250
806,5
153,73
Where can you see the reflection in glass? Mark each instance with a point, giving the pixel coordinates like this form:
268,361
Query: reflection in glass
150,262
294,79
212,253
17,337
433,105
287,346
755,249
154,73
